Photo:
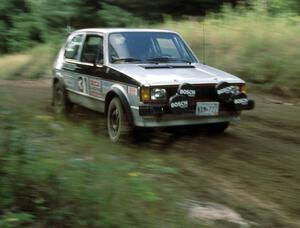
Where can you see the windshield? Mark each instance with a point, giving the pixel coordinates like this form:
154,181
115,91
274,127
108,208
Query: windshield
148,47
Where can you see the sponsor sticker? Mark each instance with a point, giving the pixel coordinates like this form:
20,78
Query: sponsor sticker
180,104
186,89
132,91
105,86
228,90
188,92
95,87
95,83
242,101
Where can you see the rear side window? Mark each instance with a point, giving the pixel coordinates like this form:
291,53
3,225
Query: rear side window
73,47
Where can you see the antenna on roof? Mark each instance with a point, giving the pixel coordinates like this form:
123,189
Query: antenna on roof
204,42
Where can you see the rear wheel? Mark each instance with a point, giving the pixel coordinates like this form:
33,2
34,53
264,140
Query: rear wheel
217,128
61,102
117,124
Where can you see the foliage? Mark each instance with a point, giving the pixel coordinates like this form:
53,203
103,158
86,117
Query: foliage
254,45
251,44
23,23
114,16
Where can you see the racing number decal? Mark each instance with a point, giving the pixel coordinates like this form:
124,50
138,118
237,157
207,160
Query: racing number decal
82,84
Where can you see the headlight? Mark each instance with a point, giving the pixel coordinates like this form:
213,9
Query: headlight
158,94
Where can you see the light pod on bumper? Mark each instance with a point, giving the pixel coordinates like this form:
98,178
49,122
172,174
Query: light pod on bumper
227,92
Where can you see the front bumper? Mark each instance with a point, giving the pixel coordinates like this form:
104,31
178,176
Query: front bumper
158,117
159,110
155,115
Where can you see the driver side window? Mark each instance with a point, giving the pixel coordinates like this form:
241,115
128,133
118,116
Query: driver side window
93,49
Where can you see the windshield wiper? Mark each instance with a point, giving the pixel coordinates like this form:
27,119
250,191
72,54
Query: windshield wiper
167,60
185,61
129,59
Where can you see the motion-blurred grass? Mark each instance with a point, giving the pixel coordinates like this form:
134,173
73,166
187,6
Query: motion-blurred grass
57,172
63,176
34,63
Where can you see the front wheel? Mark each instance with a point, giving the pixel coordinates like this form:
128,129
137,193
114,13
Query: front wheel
117,125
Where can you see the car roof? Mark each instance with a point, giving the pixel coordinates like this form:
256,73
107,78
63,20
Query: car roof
113,30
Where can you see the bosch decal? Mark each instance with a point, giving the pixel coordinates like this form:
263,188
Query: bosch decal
180,104
187,90
229,89
242,101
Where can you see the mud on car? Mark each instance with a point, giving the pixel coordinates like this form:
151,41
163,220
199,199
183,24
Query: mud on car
144,78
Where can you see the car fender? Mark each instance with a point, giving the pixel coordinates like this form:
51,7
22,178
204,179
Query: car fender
120,92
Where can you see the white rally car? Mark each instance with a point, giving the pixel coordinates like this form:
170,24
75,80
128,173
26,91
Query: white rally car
144,78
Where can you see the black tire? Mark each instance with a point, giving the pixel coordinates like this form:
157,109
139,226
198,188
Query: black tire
117,123
61,103
217,128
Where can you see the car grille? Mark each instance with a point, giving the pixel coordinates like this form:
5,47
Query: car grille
203,92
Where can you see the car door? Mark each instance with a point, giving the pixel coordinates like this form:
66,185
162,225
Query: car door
83,69
92,70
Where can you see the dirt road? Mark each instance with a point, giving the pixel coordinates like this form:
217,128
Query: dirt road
256,162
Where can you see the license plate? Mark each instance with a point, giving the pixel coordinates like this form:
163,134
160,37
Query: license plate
207,108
